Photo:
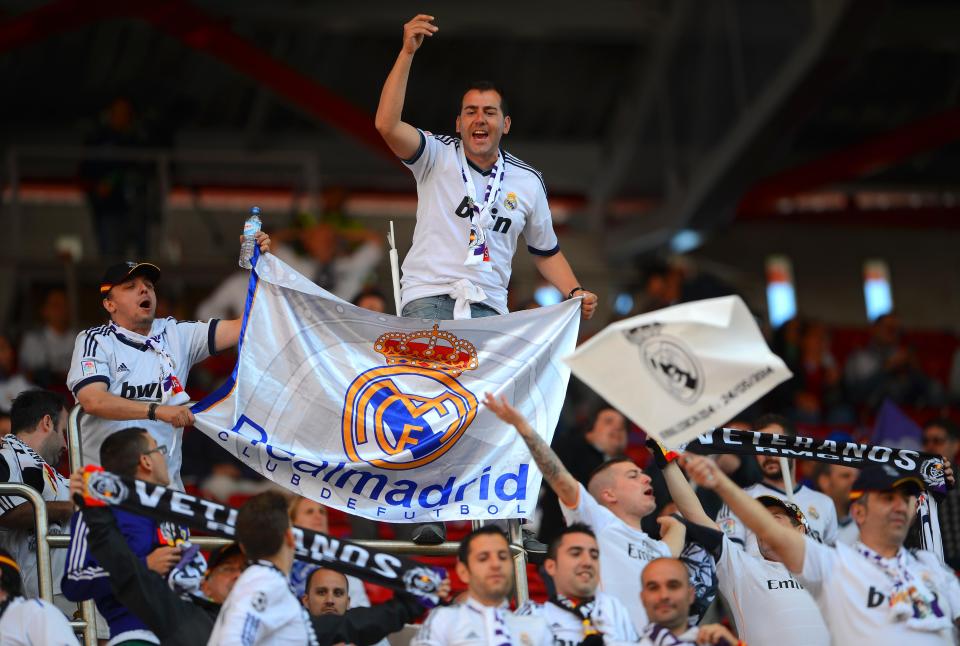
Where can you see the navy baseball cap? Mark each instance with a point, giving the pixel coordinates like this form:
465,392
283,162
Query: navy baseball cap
883,477
124,271
219,556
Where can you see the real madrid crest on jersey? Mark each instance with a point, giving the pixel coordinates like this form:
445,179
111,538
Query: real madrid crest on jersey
510,201
394,427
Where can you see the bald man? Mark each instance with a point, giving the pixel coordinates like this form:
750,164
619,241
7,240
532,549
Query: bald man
667,595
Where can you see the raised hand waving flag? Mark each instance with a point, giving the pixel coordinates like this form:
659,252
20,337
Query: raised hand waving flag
379,415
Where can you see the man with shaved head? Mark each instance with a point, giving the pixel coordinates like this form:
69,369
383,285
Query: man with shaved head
618,497
667,595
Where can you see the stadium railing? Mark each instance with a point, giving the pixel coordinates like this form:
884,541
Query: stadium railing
87,610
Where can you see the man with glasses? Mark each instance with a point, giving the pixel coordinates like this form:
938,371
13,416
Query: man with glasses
942,437
133,453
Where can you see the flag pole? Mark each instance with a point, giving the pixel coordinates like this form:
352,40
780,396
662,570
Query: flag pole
787,479
394,267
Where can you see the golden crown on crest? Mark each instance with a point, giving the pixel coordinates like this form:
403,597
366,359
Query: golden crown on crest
434,348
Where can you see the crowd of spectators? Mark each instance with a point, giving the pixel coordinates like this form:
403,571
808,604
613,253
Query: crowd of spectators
608,505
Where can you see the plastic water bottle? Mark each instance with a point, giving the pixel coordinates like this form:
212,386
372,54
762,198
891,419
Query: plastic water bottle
250,229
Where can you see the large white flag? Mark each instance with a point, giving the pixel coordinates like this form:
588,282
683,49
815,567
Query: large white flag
378,415
683,370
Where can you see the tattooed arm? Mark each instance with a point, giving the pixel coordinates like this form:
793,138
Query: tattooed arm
563,484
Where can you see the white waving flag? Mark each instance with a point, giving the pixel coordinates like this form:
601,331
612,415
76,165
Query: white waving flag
378,415
683,370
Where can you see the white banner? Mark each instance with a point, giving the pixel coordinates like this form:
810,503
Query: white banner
379,416
683,370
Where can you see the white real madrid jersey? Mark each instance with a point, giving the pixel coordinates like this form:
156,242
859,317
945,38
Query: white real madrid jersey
261,609
817,507
607,615
767,602
853,595
21,464
624,552
473,624
132,371
435,260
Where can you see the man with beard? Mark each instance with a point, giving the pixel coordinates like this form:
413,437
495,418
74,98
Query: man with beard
872,592
134,366
614,502
29,456
577,610
667,595
836,480
485,564
819,509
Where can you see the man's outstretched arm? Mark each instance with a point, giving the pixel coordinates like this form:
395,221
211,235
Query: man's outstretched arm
563,484
402,138
789,544
227,333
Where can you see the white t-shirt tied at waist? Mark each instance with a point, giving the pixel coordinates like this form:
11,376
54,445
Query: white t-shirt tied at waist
434,265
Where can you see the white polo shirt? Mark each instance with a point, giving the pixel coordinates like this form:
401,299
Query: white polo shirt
818,508
624,552
852,594
435,260
768,604
132,371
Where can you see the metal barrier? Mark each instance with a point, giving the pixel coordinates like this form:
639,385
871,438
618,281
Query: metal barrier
87,609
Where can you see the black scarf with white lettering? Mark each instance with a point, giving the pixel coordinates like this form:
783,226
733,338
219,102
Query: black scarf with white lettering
581,610
926,466
103,488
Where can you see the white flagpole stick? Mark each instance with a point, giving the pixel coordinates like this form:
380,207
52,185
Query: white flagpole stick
787,479
394,267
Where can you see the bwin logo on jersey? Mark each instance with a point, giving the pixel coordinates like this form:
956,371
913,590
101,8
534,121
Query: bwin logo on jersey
669,361
413,410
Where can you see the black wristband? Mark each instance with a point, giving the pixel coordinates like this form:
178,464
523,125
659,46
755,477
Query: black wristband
152,412
574,291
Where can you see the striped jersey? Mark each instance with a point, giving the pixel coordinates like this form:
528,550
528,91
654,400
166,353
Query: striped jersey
436,258
132,371
21,464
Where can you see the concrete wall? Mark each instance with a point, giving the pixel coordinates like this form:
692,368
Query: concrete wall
828,268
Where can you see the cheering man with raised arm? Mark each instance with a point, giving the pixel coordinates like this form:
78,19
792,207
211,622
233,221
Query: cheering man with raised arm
618,496
474,201
872,592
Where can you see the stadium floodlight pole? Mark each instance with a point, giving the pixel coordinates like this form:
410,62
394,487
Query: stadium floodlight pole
394,267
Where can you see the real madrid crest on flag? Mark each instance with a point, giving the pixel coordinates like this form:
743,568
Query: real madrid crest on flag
378,415
417,422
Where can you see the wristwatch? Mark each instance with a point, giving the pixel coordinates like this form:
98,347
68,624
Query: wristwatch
152,412
574,291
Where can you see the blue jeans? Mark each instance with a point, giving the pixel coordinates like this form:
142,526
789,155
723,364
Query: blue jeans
440,308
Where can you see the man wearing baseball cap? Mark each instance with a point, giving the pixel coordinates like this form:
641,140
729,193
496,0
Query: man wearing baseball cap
134,366
872,592
768,604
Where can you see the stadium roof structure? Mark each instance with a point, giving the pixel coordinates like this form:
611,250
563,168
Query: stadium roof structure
692,112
